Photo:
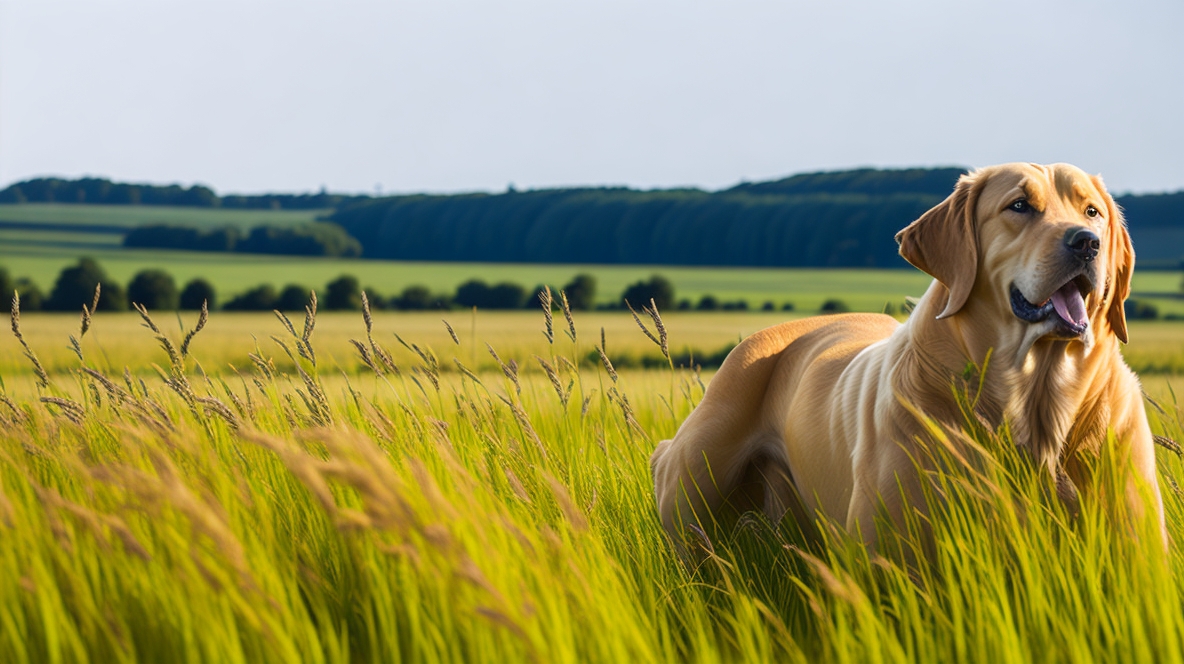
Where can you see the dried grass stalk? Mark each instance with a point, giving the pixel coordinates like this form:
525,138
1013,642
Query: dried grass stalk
201,323
608,365
661,338
571,323
42,377
510,370
545,300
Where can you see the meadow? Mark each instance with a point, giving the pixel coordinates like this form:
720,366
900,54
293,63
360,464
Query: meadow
265,490
49,237
232,274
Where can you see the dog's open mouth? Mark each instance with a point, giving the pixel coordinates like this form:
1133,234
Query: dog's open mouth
1067,303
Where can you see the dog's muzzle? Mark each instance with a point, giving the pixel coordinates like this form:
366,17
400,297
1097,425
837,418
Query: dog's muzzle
1067,303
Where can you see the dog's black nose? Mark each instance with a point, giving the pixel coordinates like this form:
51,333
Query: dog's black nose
1083,242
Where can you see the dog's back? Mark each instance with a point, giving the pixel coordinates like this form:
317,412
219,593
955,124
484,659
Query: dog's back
752,439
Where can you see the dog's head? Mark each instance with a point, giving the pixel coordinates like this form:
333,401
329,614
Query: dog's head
1042,246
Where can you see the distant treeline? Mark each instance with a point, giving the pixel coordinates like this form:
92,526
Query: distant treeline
816,220
840,219
105,192
836,219
314,239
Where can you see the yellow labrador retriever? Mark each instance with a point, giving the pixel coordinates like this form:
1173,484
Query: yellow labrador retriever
1030,262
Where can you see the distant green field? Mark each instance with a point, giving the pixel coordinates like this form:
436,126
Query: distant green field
41,254
865,290
234,273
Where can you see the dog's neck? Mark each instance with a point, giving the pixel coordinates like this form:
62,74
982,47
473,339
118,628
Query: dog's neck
1040,387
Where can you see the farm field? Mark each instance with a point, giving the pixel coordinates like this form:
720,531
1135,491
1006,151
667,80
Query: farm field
335,513
117,340
231,274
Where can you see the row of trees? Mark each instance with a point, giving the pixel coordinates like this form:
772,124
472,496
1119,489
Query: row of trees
315,239
836,219
844,218
105,192
157,290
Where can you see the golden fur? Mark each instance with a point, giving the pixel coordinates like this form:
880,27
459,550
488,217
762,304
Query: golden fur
808,416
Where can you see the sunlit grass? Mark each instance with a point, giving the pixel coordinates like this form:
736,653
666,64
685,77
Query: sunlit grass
287,511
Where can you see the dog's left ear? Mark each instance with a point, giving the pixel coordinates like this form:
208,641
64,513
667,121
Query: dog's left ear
942,243
1121,254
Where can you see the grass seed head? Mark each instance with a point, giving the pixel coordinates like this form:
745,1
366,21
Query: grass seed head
571,323
545,300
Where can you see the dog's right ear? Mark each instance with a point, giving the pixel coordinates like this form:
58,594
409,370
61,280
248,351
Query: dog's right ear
943,244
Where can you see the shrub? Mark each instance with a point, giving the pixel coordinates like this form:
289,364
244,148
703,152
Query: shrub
7,285
75,286
472,293
154,289
415,297
788,306
292,298
1140,310
507,295
476,293
260,298
768,306
195,292
834,306
658,288
32,299
343,294
581,292
707,303
316,239
183,237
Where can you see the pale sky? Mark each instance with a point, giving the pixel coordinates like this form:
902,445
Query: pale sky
475,94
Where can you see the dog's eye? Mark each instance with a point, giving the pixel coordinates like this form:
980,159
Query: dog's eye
1020,206
1091,211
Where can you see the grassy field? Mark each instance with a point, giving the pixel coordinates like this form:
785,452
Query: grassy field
863,290
1156,348
41,252
299,511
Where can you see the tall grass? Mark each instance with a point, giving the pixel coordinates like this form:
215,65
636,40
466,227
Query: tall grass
292,512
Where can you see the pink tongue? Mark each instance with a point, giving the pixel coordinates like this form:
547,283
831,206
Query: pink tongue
1069,304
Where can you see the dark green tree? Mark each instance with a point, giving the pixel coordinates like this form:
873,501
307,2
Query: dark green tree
507,295
834,306
415,297
195,292
707,303
657,288
154,289
472,293
343,294
581,292
260,298
7,285
476,293
1140,310
293,298
75,286
32,299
